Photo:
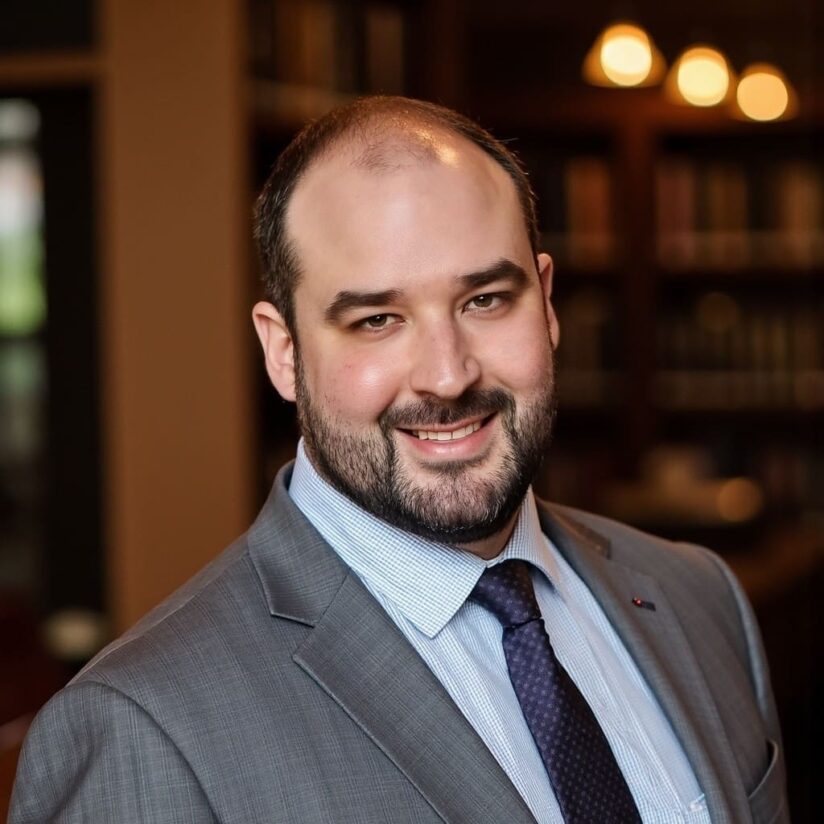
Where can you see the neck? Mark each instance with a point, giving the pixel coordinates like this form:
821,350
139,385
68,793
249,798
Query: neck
491,547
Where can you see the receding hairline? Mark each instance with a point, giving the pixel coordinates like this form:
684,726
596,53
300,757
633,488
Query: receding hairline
394,150
379,145
381,142
381,133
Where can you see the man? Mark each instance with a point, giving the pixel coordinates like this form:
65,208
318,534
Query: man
405,634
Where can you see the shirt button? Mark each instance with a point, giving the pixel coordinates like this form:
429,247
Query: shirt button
697,805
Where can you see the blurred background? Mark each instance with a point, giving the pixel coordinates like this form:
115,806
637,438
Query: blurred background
680,174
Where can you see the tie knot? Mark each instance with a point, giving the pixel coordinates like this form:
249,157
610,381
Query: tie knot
506,591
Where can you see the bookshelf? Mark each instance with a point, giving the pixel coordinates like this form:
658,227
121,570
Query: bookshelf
688,246
735,347
572,176
719,210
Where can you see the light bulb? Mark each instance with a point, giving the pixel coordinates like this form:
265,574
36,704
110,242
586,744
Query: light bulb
702,76
623,55
762,92
626,55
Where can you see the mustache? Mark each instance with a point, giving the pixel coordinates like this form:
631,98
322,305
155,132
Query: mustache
473,403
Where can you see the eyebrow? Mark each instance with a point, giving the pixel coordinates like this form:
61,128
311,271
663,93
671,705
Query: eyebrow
502,270
347,300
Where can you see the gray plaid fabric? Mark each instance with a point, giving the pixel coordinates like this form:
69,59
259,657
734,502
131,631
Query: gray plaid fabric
273,688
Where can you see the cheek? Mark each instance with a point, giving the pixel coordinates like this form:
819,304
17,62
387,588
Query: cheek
519,357
359,387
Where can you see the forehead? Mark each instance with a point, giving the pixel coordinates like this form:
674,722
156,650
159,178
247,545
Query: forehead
391,214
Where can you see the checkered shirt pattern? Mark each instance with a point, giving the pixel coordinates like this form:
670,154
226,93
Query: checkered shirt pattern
424,588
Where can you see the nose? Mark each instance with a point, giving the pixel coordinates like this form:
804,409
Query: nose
443,364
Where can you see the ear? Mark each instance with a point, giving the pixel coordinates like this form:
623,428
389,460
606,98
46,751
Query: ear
545,272
278,348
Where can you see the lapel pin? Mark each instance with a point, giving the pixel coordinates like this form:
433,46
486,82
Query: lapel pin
639,602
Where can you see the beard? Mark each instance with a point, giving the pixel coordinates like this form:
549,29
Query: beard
462,503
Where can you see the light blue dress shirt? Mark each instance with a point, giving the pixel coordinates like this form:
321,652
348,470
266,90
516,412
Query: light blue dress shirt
423,586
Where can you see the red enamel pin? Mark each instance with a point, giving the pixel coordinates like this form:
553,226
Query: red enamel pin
640,602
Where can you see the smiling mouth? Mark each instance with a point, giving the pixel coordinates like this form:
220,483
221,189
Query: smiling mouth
456,434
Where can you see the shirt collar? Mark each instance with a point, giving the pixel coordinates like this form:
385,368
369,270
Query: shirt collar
427,581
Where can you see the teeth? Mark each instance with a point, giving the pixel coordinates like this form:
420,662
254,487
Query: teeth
455,435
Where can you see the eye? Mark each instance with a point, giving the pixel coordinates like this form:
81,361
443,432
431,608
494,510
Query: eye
491,301
377,322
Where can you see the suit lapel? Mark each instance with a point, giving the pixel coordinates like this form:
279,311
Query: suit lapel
362,660
660,648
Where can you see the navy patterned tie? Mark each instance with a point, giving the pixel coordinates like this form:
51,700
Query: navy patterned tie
583,771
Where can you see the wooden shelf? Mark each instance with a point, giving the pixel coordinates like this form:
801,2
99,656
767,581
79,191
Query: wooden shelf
607,110
766,275
741,390
49,69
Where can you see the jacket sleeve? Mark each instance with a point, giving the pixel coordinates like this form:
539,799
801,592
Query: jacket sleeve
759,669
94,755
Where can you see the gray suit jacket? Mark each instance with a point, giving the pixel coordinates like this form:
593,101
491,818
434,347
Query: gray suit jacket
273,688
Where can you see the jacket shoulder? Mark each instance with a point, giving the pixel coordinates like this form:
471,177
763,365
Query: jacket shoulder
642,550
194,620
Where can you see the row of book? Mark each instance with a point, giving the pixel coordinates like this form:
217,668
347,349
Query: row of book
590,334
720,351
723,353
700,390
588,357
575,204
329,44
728,215
721,332
709,214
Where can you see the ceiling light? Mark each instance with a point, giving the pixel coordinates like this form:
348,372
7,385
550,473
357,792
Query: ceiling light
700,76
623,55
763,93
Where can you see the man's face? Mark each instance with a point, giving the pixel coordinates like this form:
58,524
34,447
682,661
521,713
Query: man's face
424,374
